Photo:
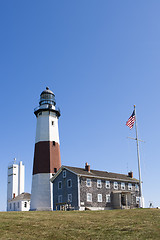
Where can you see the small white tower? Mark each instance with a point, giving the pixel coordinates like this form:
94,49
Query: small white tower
15,185
47,159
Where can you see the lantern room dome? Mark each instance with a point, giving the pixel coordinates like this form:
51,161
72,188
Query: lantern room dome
47,97
47,91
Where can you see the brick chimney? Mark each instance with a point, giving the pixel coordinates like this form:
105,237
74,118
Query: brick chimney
130,174
14,195
87,167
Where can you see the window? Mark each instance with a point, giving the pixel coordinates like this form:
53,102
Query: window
99,184
107,184
99,196
54,143
60,185
88,182
25,204
129,186
123,186
59,198
69,183
115,185
136,187
64,173
108,198
137,200
69,197
89,197
52,123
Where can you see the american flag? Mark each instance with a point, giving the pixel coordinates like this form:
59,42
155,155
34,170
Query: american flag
131,120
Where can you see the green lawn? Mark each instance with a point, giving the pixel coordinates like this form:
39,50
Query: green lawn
111,224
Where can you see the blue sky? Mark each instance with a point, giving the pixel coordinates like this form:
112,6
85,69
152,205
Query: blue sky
99,58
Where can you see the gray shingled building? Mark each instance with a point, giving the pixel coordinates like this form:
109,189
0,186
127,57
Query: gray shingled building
82,188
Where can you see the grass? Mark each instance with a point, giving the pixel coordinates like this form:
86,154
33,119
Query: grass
111,224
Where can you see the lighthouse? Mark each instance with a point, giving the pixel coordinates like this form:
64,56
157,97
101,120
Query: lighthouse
47,159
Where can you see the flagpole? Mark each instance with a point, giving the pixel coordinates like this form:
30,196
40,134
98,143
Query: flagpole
139,168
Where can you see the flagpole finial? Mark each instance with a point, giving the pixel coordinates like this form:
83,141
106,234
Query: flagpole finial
134,106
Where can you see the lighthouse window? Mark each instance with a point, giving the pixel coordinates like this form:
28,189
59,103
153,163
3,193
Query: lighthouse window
54,143
52,123
25,204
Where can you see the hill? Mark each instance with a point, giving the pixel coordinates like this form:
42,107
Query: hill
111,224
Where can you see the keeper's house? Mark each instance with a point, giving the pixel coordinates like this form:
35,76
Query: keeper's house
82,189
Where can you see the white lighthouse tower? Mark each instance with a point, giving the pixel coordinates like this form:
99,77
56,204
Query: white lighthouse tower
47,159
15,185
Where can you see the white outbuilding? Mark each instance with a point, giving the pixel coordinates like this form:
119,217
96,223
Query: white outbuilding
17,199
20,203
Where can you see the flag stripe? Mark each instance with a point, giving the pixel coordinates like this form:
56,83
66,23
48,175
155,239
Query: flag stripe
131,120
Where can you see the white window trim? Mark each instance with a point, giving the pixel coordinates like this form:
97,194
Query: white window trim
99,185
123,187
70,195
108,197
58,185
116,185
99,197
108,184
67,183
136,187
64,173
130,186
90,185
59,197
89,195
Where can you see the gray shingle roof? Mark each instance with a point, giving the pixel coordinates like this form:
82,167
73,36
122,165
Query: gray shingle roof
23,196
98,174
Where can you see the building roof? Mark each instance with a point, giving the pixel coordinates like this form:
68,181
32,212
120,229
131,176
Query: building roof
96,174
22,197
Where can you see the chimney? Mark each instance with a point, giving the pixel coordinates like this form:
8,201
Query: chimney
130,174
87,167
13,195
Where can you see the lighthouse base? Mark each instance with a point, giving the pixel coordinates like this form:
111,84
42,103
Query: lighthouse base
42,192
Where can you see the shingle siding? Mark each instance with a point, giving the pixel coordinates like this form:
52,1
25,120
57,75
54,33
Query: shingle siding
65,190
119,198
94,190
